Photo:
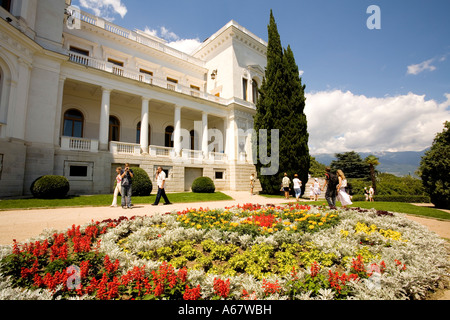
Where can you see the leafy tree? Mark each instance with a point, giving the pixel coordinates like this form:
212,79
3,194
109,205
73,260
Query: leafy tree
351,164
317,169
281,106
435,169
372,161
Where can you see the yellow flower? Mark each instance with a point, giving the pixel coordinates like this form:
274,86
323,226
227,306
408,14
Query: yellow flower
311,227
320,223
270,230
288,229
199,226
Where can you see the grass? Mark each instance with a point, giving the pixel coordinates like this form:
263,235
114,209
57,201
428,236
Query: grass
106,200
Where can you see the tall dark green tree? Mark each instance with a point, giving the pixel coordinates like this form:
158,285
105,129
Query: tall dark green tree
435,169
281,106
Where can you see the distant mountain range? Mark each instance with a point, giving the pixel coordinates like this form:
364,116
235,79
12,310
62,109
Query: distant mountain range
397,163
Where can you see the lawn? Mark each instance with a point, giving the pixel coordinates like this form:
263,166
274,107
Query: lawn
387,206
106,200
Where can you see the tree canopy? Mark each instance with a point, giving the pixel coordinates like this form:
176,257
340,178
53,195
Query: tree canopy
435,169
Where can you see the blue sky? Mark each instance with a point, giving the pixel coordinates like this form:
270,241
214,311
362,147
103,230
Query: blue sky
404,67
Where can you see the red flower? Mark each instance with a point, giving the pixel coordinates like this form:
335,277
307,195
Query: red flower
192,294
271,288
221,288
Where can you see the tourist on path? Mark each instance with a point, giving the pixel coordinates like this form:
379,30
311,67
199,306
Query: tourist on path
161,182
127,176
285,186
342,194
297,187
118,187
331,182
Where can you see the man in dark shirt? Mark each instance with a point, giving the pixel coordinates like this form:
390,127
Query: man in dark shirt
127,186
331,184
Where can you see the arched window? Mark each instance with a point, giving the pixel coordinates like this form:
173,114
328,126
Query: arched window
255,91
114,129
138,133
169,137
73,124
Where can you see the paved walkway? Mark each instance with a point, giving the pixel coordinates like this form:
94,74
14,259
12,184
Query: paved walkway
23,225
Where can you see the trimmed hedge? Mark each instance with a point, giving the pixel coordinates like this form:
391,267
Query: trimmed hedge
203,185
50,187
396,198
142,185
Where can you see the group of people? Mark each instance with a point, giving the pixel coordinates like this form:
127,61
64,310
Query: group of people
336,188
336,185
369,193
124,187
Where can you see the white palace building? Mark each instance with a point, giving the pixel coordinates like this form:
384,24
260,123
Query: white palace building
80,96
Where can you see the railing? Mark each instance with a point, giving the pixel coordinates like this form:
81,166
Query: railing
138,37
157,151
79,144
192,154
216,156
124,148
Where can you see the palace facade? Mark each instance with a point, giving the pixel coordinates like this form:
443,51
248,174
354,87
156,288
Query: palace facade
80,96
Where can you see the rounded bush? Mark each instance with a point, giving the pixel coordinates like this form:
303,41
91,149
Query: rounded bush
203,185
142,185
50,187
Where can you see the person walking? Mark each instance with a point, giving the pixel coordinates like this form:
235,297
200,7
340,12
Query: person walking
127,176
316,189
366,193
342,194
161,182
297,187
371,194
118,187
252,183
331,182
285,185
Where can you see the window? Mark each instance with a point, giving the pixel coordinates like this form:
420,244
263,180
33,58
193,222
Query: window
73,124
171,83
169,137
80,51
79,171
219,174
255,91
114,129
143,77
116,64
195,91
138,134
6,4
244,88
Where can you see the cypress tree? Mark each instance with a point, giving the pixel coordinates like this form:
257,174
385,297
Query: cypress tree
281,106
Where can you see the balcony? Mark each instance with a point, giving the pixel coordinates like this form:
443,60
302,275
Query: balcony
79,144
141,77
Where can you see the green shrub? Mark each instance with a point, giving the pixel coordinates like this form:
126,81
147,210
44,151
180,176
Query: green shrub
142,185
203,185
50,187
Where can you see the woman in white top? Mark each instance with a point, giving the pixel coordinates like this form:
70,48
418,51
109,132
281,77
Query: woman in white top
342,195
297,187
118,186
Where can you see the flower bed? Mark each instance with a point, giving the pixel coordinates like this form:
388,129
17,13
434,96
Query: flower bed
244,252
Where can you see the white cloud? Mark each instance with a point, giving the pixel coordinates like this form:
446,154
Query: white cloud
105,8
173,40
415,69
341,121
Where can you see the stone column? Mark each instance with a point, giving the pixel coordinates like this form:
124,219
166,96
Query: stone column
231,138
144,126
104,119
59,107
177,131
205,136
